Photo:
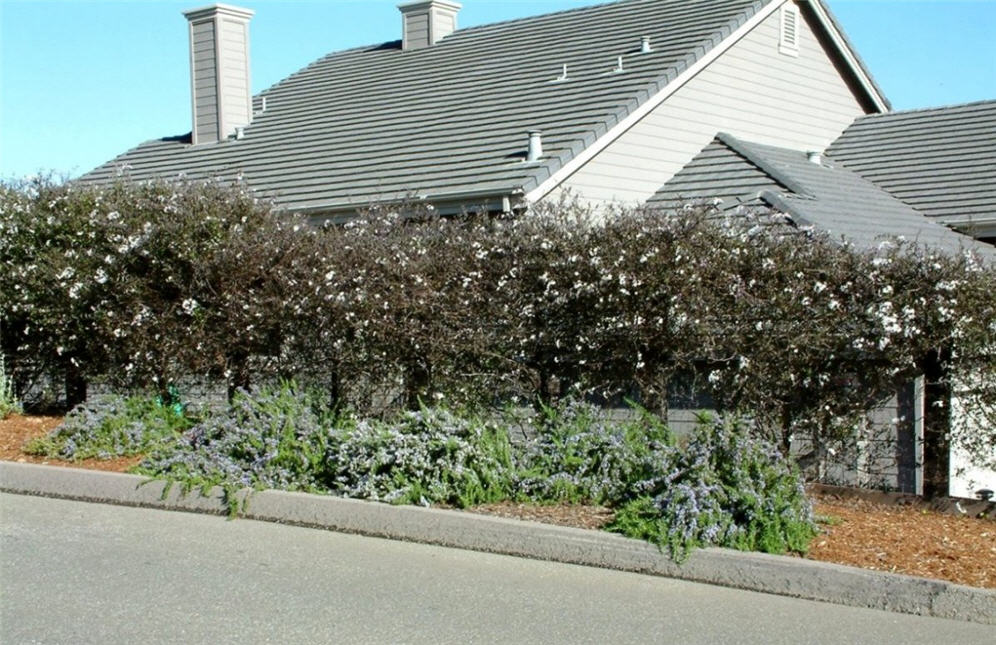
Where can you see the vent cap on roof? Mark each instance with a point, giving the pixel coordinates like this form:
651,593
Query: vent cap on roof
426,22
219,71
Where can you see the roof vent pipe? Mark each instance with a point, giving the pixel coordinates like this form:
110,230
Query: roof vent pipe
619,64
535,150
645,47
815,157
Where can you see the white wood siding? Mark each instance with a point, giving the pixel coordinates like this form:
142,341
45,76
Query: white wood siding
751,91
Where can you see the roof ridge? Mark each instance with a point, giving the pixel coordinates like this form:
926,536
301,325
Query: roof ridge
937,108
748,151
541,16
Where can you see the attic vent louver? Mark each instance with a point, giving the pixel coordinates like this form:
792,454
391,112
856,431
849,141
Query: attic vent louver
788,42
219,71
426,22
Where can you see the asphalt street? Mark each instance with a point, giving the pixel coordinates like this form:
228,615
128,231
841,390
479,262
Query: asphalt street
73,572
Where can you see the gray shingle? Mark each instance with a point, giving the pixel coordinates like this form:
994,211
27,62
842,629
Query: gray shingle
942,161
380,123
828,196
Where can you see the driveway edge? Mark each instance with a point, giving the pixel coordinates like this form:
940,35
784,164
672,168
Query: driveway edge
781,575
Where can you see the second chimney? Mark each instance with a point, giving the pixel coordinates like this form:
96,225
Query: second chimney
219,71
426,22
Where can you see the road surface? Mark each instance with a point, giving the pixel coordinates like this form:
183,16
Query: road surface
72,572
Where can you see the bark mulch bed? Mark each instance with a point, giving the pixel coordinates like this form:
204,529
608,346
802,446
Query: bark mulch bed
16,430
909,539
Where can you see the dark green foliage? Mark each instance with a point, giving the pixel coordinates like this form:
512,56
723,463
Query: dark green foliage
141,284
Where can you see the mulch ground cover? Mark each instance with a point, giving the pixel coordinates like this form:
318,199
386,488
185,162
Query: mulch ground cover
907,539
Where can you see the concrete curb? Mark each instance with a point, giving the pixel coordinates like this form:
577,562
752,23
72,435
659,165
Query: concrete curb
780,575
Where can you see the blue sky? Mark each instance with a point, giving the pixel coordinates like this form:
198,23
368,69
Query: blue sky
82,81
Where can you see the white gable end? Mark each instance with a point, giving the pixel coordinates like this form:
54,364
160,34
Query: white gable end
752,91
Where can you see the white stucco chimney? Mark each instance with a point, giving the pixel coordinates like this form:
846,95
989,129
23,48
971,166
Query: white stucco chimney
219,71
426,22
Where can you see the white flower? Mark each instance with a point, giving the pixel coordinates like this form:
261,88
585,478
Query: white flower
189,306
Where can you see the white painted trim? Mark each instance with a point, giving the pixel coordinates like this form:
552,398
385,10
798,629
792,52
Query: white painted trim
648,106
880,103
918,429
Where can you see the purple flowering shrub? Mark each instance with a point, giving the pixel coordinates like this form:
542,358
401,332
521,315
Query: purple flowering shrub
580,455
110,426
287,438
426,456
725,488
274,437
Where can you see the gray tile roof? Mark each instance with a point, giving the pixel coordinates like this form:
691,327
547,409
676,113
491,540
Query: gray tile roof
379,123
827,196
941,161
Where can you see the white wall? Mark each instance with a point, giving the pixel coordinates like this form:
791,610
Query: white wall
964,478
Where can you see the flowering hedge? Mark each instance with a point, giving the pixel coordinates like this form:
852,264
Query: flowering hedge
141,284
144,284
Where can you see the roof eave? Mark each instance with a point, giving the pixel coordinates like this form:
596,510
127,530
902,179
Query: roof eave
506,200
975,227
